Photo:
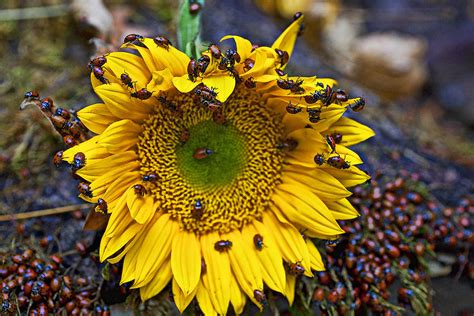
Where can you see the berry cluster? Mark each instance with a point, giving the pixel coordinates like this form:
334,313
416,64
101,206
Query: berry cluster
386,250
36,284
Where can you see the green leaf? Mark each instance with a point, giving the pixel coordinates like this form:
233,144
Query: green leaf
189,26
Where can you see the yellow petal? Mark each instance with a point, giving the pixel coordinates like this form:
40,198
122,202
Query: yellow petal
120,136
130,263
100,185
180,299
109,246
289,240
170,58
118,188
183,84
352,131
134,241
244,46
88,147
108,78
286,40
146,54
141,208
186,261
224,85
342,209
161,80
121,104
290,288
310,143
271,263
262,65
237,297
204,300
316,259
304,208
350,156
125,161
348,177
218,274
159,238
292,122
132,65
96,117
119,220
245,265
317,180
158,282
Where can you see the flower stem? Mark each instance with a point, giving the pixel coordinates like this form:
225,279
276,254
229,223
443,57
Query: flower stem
189,26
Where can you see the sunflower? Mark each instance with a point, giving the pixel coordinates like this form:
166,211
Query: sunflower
218,172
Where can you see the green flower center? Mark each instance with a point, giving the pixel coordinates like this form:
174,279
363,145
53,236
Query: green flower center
213,155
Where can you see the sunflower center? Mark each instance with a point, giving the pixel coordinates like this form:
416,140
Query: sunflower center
215,170
213,155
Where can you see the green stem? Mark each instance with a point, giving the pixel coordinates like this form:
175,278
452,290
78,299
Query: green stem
188,29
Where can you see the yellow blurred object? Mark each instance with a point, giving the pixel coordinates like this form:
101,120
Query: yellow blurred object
321,12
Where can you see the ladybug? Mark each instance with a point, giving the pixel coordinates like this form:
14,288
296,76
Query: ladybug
283,55
337,162
162,41
97,62
32,94
58,158
126,80
341,95
215,51
141,94
259,296
295,268
258,241
319,159
102,205
248,64
337,137
132,38
79,161
222,245
290,144
84,189
152,177
194,7
203,63
331,142
201,153
193,70
358,105
198,209
312,98
280,72
139,190
250,83
292,109
47,105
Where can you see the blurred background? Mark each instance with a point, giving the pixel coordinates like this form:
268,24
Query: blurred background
412,60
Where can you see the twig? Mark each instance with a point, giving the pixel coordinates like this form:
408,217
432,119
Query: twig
46,212
34,12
